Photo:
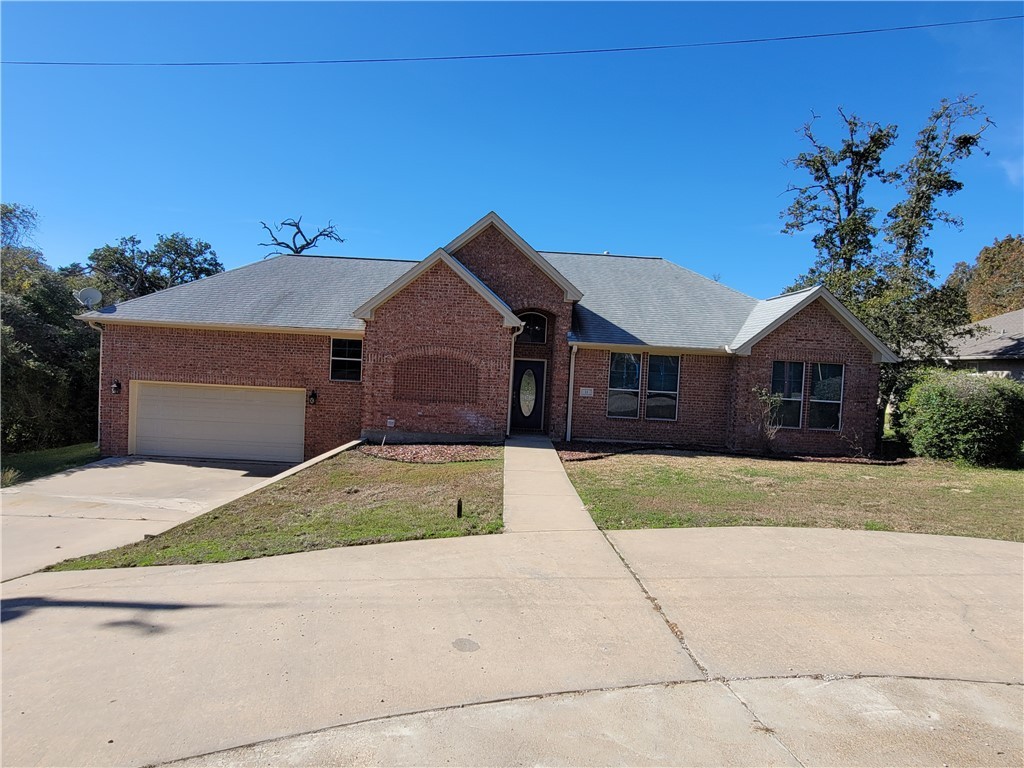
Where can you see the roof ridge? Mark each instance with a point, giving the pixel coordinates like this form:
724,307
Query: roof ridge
609,255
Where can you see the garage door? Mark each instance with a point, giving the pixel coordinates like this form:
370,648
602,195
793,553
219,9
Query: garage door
251,423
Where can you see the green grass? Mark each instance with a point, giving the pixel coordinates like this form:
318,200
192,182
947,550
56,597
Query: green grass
671,489
350,499
33,464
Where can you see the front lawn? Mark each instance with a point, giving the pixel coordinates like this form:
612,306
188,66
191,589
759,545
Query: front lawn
352,498
677,489
21,467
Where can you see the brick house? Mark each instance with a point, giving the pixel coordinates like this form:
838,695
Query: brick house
293,355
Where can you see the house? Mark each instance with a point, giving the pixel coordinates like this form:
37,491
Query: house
996,350
293,355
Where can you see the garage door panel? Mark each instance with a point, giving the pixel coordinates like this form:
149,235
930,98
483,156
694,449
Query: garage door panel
219,422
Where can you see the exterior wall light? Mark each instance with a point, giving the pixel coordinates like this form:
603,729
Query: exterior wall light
312,397
115,388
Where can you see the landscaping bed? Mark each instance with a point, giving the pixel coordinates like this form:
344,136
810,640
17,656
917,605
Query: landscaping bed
352,498
664,488
433,453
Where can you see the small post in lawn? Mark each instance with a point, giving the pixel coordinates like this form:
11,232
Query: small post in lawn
458,509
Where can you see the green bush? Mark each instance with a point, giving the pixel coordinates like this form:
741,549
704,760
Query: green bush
977,419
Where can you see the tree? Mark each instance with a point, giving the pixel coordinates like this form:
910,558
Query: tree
994,284
299,243
18,261
884,272
833,203
49,362
128,270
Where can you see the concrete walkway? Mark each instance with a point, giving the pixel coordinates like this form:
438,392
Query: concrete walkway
538,494
723,646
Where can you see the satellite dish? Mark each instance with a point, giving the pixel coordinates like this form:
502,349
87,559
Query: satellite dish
87,297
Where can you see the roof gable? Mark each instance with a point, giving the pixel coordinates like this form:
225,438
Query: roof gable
772,313
365,311
571,292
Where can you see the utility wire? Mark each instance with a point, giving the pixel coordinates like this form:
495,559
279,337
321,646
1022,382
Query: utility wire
521,55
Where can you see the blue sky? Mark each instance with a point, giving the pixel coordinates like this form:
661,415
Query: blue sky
670,153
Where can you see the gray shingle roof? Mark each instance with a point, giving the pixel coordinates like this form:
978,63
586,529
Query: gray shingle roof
302,292
765,313
1003,339
627,300
649,301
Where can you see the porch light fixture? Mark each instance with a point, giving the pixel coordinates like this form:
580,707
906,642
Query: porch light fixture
115,388
312,397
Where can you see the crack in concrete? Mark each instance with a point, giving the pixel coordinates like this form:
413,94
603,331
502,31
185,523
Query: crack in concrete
674,628
761,726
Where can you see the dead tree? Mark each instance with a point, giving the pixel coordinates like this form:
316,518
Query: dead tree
299,242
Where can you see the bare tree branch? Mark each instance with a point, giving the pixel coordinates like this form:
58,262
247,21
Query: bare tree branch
297,247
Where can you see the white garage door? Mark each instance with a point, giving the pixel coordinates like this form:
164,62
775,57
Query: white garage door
250,423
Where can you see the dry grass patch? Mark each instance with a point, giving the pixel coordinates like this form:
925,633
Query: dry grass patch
349,499
672,489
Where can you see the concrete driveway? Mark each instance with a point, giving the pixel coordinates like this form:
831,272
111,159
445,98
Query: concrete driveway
728,646
110,503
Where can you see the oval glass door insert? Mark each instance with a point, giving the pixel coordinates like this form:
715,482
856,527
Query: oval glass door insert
527,392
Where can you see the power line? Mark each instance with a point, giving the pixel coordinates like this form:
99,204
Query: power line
520,55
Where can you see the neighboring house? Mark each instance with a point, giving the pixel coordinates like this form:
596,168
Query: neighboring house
996,350
290,356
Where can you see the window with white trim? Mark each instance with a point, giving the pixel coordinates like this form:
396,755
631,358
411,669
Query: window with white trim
662,388
788,384
825,406
346,359
624,386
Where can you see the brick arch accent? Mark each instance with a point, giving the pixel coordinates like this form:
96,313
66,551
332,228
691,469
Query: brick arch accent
435,326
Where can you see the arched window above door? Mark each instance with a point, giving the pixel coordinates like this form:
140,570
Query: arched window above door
535,329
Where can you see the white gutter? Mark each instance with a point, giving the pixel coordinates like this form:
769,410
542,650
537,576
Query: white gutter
572,386
511,375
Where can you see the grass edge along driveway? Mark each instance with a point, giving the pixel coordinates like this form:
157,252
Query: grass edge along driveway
352,498
22,467
682,489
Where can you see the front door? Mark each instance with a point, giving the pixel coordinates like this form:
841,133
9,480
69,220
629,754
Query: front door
528,394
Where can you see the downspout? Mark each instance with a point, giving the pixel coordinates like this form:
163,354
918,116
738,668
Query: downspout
511,374
99,389
572,379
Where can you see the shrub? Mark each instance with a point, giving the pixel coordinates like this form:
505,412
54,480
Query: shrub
978,419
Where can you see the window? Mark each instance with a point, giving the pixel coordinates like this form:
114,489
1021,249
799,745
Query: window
826,402
662,387
788,383
346,359
624,386
535,330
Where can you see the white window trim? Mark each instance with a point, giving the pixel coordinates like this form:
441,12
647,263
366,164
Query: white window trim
542,317
611,389
332,358
803,386
842,397
679,366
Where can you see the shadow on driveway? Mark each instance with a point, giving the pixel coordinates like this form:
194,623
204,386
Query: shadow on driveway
16,607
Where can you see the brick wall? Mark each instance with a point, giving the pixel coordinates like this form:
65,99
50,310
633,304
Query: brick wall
716,402
523,286
189,355
814,335
702,415
436,360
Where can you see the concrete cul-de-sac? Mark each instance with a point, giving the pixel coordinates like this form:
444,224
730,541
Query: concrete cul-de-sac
552,643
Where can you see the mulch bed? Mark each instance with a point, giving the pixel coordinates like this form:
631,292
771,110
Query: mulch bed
586,451
422,453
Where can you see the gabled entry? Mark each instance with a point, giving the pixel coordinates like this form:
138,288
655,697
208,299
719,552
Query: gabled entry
528,394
